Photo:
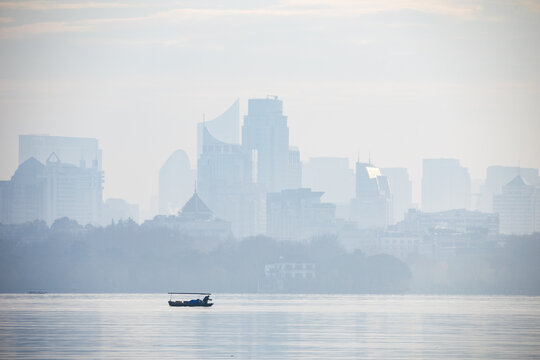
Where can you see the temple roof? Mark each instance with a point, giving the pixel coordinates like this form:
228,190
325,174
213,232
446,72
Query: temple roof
196,206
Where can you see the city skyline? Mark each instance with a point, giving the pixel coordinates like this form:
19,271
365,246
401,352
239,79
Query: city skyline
403,81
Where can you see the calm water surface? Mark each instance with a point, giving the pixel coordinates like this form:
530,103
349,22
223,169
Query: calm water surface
270,326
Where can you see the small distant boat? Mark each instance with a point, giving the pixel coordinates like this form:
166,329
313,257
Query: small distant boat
205,302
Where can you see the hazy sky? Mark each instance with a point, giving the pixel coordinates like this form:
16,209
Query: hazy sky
401,79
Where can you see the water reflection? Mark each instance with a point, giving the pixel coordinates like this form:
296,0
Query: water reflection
269,326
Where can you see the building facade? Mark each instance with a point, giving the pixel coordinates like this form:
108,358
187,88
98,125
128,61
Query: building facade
372,206
517,206
176,183
446,185
298,214
266,134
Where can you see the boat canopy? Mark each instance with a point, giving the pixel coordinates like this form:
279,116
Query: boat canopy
188,293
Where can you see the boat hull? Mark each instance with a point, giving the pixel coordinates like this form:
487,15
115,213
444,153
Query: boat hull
183,304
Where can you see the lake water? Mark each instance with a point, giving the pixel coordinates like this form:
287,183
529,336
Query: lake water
253,326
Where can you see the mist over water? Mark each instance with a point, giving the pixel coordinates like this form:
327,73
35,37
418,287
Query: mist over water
89,326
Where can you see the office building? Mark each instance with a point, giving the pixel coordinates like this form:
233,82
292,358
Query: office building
298,214
517,207
266,135
498,176
52,191
81,152
446,185
176,183
401,187
224,181
372,206
331,175
225,127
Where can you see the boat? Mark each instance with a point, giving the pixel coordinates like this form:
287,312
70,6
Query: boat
205,302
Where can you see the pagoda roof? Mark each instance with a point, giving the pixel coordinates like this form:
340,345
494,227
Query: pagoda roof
196,206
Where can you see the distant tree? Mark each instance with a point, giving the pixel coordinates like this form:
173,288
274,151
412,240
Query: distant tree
65,224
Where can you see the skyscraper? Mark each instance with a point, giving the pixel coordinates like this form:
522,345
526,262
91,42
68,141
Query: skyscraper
295,169
498,176
176,183
446,185
73,192
81,152
401,191
331,175
266,133
225,127
372,207
517,206
298,214
51,191
224,182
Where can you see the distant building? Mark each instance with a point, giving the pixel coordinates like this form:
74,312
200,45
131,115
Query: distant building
401,187
81,152
224,180
73,192
287,276
298,214
176,183
51,191
119,209
517,206
399,244
196,220
266,135
498,176
454,221
331,175
372,206
23,197
295,169
225,127
446,185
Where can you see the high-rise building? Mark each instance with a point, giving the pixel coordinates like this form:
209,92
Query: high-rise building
372,207
24,197
498,176
401,187
176,183
81,152
298,214
517,206
295,169
73,192
224,182
265,133
331,175
51,191
446,185
225,127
